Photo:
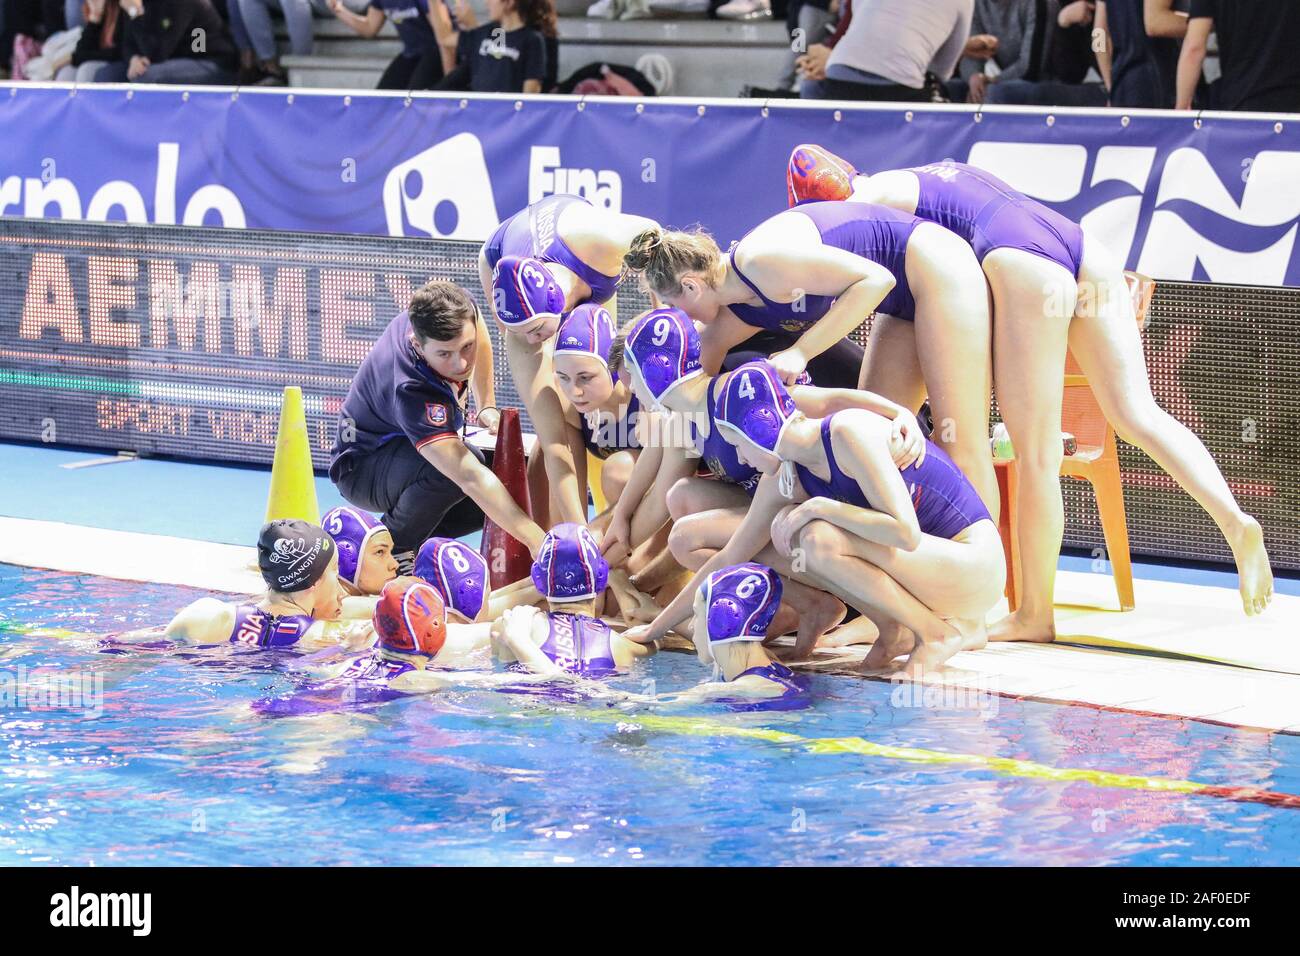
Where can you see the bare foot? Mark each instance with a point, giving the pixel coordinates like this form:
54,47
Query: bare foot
1017,626
930,655
974,635
657,572
1254,576
893,641
861,630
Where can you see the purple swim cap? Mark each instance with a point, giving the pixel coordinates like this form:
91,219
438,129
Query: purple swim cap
741,602
569,566
664,346
457,571
523,289
587,330
754,405
351,529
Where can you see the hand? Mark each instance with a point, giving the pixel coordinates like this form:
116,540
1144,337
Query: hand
982,46
789,364
812,65
1077,14
642,634
790,521
135,69
979,85
906,441
335,6
618,536
489,418
466,18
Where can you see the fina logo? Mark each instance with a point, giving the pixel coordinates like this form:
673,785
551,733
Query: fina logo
546,177
1196,229
444,192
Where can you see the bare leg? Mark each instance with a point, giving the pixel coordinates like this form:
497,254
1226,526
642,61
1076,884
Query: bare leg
954,342
531,369
1104,339
614,473
890,367
894,641
1033,301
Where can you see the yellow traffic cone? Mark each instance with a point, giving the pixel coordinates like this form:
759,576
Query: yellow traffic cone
293,483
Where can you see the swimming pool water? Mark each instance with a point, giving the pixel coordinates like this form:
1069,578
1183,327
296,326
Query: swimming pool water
179,769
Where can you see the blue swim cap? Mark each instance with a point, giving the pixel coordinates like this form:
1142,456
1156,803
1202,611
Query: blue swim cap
587,330
754,405
569,566
457,571
664,347
351,529
523,288
741,601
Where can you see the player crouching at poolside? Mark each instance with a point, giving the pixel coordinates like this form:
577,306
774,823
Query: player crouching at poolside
299,563
567,638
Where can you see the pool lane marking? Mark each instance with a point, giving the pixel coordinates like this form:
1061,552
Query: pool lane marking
1005,766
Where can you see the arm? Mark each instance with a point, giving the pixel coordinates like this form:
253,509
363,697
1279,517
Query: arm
949,54
754,533
514,632
458,463
1105,56
206,621
1191,59
807,268
445,33
1161,21
906,438
483,379
366,26
531,369
860,446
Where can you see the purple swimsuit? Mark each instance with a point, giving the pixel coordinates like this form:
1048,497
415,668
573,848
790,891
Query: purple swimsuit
946,504
580,645
719,455
374,667
532,232
257,628
872,232
989,214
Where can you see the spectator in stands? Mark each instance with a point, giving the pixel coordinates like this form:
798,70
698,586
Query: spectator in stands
509,53
100,42
1259,55
172,41
255,19
1043,54
421,25
1139,70
886,48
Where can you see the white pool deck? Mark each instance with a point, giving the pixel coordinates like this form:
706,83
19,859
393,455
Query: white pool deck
1229,669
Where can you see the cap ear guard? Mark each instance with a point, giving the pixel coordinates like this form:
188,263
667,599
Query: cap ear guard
524,288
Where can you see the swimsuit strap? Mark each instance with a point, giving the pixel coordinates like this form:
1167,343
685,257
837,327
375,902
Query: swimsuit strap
731,257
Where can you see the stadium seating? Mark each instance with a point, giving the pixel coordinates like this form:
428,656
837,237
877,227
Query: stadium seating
709,57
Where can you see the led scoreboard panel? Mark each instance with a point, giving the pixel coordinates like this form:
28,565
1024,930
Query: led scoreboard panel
178,341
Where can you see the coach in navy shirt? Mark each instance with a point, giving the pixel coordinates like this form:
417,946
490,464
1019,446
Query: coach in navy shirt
400,448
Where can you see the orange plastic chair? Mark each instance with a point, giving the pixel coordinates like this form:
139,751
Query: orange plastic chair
1096,460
